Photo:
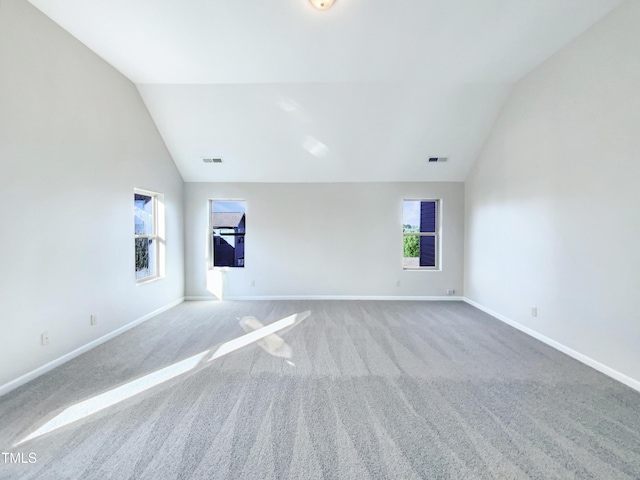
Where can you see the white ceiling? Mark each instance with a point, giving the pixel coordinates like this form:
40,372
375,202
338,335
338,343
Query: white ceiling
365,91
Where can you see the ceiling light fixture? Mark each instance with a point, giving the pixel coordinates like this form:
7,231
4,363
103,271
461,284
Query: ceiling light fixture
322,4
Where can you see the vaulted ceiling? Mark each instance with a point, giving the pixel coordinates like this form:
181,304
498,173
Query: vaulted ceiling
365,91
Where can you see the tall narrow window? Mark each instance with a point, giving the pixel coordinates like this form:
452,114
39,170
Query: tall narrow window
145,214
420,229
228,225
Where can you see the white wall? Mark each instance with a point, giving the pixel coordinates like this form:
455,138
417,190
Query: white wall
552,205
324,239
75,139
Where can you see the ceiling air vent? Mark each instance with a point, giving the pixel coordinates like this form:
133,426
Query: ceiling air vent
211,160
438,159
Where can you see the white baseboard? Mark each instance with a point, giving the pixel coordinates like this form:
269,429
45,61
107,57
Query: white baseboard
210,298
621,377
27,377
333,297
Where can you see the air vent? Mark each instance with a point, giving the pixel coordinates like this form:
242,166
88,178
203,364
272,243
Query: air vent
438,159
212,160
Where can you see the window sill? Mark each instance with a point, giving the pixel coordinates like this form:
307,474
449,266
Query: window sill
148,280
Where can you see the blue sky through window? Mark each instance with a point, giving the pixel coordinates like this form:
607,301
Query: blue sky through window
228,206
411,212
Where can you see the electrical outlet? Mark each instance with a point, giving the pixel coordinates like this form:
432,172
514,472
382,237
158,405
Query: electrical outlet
44,338
451,291
534,311
398,283
253,283
94,319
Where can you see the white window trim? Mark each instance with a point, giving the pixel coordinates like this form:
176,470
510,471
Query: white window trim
158,236
437,234
210,242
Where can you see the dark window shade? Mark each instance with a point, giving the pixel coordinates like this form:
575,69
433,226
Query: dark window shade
427,251
428,217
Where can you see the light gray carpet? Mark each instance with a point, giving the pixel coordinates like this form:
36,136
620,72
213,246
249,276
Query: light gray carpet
357,390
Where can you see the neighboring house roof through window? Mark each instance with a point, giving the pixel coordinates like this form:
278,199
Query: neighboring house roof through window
227,219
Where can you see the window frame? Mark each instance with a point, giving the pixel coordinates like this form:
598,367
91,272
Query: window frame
436,234
154,236
211,236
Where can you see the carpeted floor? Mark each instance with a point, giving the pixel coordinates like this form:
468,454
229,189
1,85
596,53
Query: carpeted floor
354,390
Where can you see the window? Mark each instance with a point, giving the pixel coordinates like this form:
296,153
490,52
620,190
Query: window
228,221
147,248
420,229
